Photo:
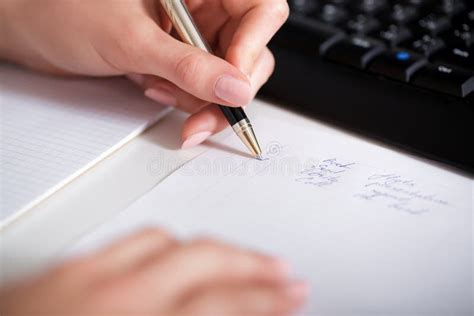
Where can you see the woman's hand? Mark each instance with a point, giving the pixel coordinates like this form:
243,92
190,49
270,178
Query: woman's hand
150,273
110,37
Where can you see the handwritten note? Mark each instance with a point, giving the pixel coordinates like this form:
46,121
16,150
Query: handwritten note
327,172
390,190
340,210
400,193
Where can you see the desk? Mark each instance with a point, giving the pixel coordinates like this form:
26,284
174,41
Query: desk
33,242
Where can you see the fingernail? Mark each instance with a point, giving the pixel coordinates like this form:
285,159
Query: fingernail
195,139
161,96
298,290
138,79
233,90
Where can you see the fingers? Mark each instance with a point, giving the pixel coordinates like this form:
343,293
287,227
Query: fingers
258,22
167,93
150,50
210,120
200,263
207,119
131,252
201,125
255,299
264,67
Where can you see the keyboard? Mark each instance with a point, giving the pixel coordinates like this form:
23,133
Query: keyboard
398,71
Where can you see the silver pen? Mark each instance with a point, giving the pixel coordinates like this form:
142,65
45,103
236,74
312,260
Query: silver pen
189,33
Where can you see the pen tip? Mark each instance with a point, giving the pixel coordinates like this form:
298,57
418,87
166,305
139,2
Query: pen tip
259,157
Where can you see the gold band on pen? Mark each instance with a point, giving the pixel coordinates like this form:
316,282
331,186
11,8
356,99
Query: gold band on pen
245,132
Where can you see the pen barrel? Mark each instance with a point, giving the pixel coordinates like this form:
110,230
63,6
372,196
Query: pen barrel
189,33
187,30
233,115
184,24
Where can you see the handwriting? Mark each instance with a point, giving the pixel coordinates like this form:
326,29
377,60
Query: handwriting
389,190
326,173
399,193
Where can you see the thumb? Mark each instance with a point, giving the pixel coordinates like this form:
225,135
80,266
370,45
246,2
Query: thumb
197,72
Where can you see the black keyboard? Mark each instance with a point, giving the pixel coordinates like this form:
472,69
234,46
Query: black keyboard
400,71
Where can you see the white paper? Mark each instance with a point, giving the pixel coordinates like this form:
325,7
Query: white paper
53,129
375,232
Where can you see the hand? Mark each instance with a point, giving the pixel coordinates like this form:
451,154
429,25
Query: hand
152,274
110,37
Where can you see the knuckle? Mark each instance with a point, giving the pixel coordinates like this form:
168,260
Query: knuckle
155,234
137,42
140,33
146,231
187,67
65,268
281,10
72,268
211,251
205,245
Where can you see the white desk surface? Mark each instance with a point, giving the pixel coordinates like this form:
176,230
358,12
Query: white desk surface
32,243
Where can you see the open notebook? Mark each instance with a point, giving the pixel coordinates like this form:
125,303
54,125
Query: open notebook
54,129
375,232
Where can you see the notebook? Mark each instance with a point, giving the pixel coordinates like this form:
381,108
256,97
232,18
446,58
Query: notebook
53,129
374,231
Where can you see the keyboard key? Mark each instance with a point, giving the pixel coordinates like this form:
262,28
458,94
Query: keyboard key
303,6
402,14
426,45
460,57
470,17
432,24
467,17
332,14
309,35
362,24
398,64
340,2
460,36
419,3
393,34
355,51
371,6
451,7
446,79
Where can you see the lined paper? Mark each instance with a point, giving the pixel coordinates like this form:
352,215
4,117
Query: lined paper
53,129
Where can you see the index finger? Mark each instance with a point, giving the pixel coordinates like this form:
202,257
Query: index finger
259,21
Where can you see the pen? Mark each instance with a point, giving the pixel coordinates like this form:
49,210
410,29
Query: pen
186,28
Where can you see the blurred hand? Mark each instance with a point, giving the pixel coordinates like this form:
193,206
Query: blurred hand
111,37
152,274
